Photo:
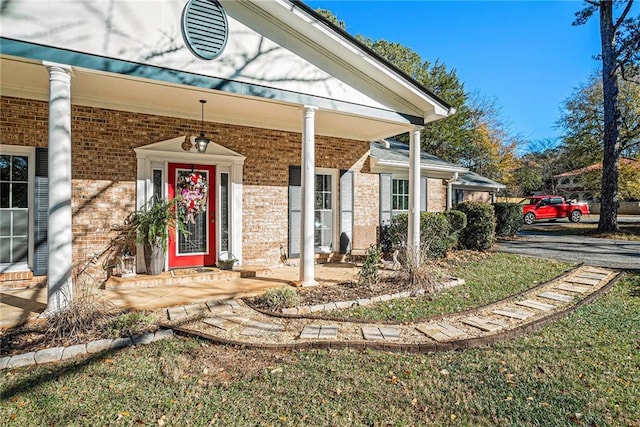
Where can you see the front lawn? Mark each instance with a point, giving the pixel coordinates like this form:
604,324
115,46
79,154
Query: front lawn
489,278
582,370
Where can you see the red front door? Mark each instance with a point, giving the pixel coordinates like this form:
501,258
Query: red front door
195,185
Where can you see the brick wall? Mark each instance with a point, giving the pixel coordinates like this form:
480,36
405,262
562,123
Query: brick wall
480,196
437,193
104,173
366,204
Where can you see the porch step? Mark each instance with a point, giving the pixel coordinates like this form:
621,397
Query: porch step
249,271
167,278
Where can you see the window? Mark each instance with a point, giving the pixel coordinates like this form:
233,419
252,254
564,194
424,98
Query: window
14,209
158,183
224,212
323,213
459,196
325,202
400,196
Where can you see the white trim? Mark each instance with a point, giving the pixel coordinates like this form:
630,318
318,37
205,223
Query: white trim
30,153
219,171
335,209
380,165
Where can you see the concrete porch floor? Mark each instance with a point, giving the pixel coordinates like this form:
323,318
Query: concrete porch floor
18,306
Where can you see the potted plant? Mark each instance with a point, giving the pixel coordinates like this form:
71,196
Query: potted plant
153,224
226,261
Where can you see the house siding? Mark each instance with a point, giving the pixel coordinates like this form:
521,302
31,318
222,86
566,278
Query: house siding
104,173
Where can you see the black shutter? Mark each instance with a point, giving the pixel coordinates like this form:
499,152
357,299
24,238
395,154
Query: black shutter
41,213
295,210
385,198
346,211
423,194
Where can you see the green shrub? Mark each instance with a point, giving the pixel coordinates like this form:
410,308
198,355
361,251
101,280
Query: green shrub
508,218
436,237
278,298
370,272
480,232
458,222
436,234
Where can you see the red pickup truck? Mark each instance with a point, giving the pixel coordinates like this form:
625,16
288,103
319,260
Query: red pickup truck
546,207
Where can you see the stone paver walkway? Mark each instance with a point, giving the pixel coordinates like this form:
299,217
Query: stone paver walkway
233,322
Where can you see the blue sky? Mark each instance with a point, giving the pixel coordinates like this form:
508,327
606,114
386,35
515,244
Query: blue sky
525,55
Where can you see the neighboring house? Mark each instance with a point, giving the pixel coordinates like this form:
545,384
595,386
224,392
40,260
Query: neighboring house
471,186
572,185
99,111
442,184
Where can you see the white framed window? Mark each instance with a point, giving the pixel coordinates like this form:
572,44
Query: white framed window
399,196
223,210
17,176
325,209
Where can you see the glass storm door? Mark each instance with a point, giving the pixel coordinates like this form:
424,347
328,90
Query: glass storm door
194,185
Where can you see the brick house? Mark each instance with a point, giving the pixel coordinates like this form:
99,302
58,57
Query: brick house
442,184
571,184
101,109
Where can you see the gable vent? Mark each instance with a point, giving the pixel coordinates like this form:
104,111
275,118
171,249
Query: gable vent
205,28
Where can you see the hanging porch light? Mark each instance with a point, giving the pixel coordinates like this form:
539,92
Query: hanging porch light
202,141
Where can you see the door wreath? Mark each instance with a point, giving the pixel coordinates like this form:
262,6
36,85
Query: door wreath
194,192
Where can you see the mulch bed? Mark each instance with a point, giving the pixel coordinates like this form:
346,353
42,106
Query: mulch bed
345,291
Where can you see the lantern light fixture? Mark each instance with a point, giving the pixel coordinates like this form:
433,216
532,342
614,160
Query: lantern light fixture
202,141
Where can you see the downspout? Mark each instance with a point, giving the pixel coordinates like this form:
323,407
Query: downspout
450,190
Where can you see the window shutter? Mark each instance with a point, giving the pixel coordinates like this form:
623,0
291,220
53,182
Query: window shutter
346,211
41,213
423,194
385,198
295,210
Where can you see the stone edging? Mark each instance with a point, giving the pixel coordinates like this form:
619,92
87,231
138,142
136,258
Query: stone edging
56,354
308,309
459,344
430,318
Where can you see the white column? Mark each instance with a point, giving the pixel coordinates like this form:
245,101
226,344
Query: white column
60,235
307,276
413,237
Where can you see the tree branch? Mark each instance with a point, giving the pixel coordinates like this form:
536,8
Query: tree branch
622,17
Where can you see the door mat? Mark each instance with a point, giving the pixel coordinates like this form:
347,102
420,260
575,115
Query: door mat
191,271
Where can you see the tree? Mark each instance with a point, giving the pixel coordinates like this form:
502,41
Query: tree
620,55
473,137
327,14
583,123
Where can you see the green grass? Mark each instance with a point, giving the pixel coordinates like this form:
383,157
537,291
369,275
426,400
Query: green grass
495,277
582,370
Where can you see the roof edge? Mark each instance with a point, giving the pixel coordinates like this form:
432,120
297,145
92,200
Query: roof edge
352,39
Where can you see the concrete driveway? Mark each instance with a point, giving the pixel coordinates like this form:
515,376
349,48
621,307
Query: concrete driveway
619,254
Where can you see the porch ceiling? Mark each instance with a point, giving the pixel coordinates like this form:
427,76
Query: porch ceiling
25,78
